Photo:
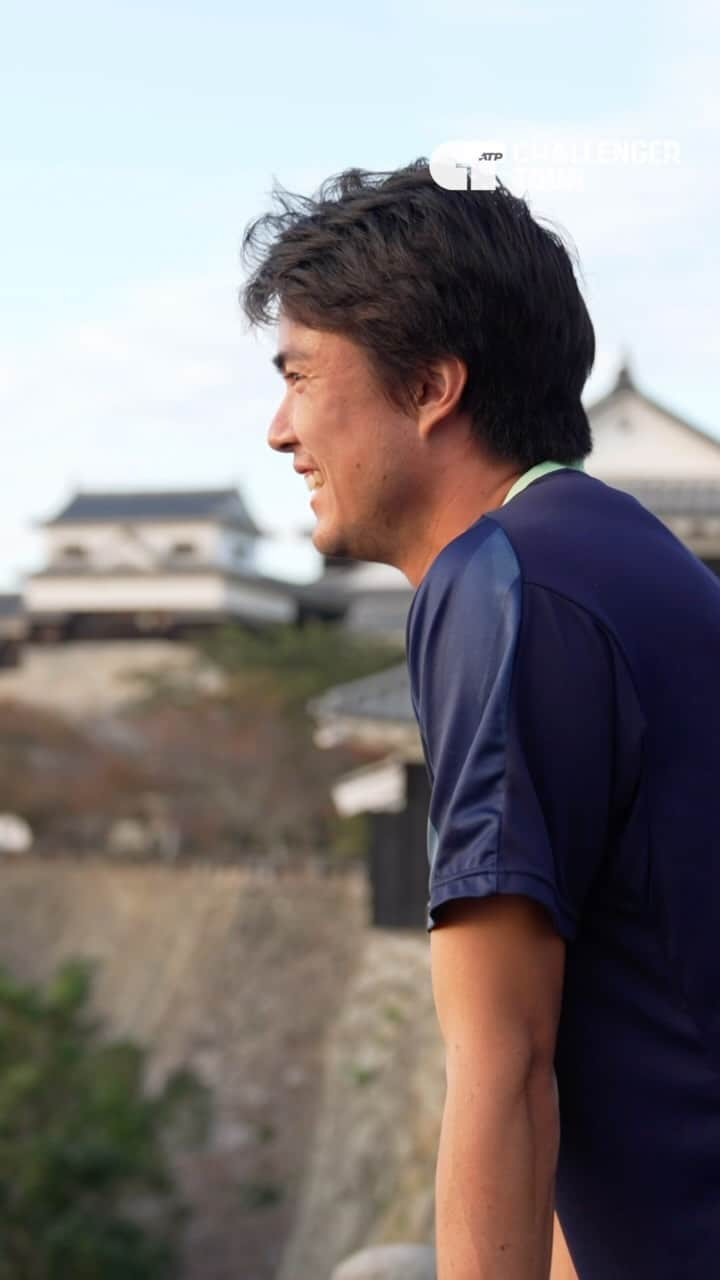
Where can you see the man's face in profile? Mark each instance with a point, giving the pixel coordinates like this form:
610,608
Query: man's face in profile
356,449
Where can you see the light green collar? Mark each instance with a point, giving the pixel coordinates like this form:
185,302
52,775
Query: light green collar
542,469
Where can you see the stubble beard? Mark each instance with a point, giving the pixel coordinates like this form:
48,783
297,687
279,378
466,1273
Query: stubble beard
350,544
338,545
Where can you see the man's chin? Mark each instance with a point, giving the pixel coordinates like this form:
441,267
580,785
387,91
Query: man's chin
330,546
330,543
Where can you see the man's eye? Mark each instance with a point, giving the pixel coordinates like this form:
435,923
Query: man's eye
291,376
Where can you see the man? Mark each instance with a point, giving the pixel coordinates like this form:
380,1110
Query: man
562,648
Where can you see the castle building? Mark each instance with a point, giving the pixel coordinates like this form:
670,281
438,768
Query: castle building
153,563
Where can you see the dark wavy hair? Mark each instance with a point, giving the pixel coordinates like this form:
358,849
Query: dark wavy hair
410,272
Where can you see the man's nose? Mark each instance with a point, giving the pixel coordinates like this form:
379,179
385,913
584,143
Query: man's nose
280,433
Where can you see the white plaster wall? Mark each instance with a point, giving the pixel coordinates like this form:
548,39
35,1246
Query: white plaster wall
631,439
110,545
377,788
203,593
234,549
74,594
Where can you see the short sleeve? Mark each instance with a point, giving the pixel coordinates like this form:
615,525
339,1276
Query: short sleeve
513,689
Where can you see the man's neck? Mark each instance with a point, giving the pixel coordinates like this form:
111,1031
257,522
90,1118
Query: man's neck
474,493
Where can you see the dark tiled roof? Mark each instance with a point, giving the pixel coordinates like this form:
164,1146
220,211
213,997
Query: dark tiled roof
624,381
381,612
10,606
225,505
325,592
383,696
674,497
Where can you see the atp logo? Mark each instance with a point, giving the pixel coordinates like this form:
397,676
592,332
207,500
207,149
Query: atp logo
465,165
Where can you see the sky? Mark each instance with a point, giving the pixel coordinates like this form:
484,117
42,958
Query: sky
137,140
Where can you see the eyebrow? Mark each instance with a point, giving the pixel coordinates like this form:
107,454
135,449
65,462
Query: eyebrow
282,357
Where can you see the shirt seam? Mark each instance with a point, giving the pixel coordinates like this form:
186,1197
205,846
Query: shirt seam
474,871
605,627
562,903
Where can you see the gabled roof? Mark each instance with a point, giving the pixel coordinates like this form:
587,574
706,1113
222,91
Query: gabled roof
625,382
224,506
383,696
681,497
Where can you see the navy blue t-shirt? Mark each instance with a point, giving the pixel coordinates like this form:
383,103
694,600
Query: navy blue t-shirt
564,658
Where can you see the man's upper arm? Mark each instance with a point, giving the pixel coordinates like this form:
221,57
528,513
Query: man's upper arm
497,973
515,694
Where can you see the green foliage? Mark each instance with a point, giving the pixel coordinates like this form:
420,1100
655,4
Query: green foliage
393,1013
292,664
361,1075
259,1195
86,1189
349,838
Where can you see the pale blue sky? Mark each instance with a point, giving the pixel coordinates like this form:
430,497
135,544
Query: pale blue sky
136,140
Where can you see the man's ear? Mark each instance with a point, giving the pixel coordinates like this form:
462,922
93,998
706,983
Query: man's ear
438,392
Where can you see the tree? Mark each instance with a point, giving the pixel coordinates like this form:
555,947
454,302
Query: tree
291,664
86,1188
241,764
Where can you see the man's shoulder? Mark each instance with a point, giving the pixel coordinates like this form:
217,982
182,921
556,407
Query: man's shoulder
577,542
543,518
554,507
590,542
534,535
467,584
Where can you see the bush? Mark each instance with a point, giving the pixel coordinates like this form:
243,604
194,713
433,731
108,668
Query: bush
86,1189
289,665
